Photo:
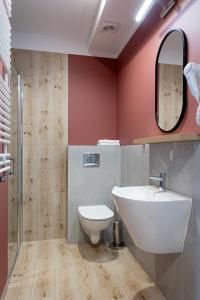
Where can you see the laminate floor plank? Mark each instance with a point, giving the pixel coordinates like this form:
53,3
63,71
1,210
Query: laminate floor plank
55,270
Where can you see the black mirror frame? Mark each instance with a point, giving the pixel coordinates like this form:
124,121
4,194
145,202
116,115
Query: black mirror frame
184,39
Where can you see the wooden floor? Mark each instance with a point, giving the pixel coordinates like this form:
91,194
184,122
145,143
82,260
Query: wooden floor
56,271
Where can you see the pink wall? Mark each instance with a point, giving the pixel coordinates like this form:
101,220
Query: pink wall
136,69
92,100
3,235
3,229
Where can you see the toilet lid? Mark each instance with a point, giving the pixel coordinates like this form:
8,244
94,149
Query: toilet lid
95,212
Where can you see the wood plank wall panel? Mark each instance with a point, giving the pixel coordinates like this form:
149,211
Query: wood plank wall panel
45,143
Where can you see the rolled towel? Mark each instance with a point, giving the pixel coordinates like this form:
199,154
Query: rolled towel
108,143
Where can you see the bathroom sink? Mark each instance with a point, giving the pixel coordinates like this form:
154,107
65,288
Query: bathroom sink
157,221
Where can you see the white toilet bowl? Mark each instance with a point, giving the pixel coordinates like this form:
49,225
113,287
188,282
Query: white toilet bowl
93,219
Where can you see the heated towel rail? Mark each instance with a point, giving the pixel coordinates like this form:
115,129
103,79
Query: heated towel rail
5,95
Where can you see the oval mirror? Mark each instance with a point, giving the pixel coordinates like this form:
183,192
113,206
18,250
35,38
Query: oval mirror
170,81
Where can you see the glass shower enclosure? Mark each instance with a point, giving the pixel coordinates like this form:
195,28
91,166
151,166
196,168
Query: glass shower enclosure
15,184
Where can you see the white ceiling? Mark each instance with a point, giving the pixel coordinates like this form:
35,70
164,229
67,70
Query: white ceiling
73,26
119,11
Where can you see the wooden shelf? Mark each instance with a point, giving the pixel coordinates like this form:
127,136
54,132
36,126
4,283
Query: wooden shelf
180,137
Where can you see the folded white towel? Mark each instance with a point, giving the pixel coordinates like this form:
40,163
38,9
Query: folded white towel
108,142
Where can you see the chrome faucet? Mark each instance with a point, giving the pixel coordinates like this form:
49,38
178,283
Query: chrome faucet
161,179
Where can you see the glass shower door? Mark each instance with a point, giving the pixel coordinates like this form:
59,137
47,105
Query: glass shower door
20,160
15,176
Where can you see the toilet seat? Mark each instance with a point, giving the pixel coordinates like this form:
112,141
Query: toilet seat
95,212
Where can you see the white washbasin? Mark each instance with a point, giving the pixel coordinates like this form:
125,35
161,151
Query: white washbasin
156,221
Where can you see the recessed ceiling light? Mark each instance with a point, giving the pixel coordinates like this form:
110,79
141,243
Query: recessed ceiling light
143,10
109,27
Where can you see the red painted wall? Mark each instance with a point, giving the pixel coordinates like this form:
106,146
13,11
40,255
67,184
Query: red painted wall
92,100
136,69
3,228
3,235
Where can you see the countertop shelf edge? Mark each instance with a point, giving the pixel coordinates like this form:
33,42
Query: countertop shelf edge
179,137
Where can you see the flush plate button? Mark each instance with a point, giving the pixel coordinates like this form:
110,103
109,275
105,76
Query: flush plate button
91,160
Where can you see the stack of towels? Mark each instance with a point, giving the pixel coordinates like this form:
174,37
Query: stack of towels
108,143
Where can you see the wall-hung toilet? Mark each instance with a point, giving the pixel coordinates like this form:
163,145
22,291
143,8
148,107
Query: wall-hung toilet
93,219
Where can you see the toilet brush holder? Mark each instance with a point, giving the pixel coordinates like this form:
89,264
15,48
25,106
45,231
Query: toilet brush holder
118,242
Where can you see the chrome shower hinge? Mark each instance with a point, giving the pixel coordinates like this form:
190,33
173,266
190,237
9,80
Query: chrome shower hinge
3,178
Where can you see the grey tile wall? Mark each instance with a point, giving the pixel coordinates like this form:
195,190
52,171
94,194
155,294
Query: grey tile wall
177,275
134,165
90,186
